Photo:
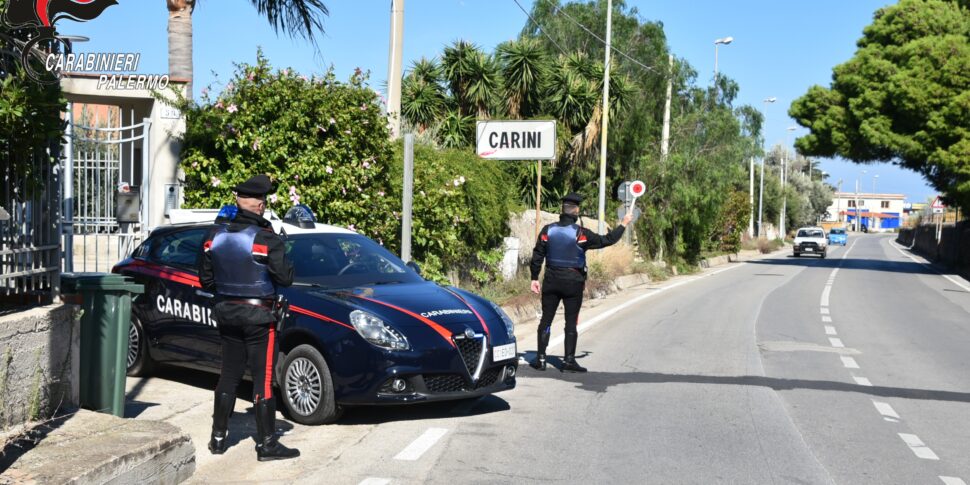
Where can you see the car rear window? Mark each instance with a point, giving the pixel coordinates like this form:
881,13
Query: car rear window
810,233
838,231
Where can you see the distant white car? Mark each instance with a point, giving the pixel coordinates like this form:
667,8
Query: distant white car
810,240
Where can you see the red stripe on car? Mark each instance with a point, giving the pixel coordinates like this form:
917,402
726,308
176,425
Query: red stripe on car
480,319
437,328
325,318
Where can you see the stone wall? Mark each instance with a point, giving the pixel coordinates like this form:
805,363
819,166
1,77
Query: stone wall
39,349
952,250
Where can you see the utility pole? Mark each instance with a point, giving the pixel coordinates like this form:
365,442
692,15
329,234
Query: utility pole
665,136
394,69
751,197
784,195
606,115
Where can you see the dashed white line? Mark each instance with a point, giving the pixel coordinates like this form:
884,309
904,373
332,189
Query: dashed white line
850,363
836,342
886,410
830,330
952,480
826,318
825,295
862,381
375,481
919,448
825,311
424,443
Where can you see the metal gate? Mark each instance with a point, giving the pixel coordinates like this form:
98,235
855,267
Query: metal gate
106,183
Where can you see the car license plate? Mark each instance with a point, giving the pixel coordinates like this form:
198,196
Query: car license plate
503,352
808,250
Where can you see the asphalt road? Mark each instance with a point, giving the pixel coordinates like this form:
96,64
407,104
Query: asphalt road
852,369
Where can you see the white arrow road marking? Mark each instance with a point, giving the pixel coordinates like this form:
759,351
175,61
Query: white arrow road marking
918,447
424,443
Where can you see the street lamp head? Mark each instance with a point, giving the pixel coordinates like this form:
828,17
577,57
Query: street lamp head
725,40
792,128
771,99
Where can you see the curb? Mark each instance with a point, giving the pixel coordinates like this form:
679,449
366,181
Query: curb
91,447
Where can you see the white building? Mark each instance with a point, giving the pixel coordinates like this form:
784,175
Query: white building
879,212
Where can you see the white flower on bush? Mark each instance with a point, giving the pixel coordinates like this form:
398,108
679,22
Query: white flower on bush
232,108
273,198
366,164
292,190
216,181
329,169
461,179
256,144
333,121
351,227
456,182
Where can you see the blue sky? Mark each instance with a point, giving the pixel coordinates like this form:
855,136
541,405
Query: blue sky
780,48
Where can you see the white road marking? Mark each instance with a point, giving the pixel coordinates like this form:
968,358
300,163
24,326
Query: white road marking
825,295
952,480
836,342
952,279
862,381
885,409
583,327
375,481
846,255
826,318
850,363
424,443
830,330
918,447
825,311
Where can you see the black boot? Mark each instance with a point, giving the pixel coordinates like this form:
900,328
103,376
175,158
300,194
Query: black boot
543,341
569,361
221,410
268,446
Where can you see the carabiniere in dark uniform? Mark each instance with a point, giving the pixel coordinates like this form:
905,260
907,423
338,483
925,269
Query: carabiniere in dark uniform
562,246
243,263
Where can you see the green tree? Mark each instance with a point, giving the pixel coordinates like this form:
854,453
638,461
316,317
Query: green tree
903,98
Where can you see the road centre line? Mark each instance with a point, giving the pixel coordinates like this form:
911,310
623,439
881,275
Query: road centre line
422,444
375,481
825,295
862,381
849,363
952,280
836,342
826,319
825,311
558,340
919,448
886,410
952,480
830,330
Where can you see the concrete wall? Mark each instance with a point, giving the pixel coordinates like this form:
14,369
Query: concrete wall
39,350
952,250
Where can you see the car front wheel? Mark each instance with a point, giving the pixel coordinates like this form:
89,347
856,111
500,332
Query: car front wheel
307,387
139,363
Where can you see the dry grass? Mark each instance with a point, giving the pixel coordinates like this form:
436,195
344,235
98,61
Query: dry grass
616,260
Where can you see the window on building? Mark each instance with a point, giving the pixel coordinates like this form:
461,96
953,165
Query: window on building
884,204
862,203
851,203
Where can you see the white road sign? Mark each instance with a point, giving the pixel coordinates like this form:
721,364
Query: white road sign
516,140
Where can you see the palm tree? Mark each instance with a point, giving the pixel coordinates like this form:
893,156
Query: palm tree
473,78
423,98
525,67
298,18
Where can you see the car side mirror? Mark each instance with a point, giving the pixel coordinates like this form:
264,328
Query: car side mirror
414,266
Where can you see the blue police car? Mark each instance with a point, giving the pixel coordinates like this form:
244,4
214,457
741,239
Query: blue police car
363,327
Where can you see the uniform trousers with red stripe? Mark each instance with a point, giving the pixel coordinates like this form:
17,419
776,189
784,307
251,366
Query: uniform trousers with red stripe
252,346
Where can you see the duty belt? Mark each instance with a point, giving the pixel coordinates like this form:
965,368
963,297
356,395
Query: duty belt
253,301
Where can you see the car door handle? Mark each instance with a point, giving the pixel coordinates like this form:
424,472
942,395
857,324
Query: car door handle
205,294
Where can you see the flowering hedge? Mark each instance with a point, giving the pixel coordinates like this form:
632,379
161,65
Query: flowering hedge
325,144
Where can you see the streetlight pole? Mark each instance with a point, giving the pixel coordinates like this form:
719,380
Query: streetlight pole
394,67
784,182
838,204
717,42
858,213
606,116
874,178
761,191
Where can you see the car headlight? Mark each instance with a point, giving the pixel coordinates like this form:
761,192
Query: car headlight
375,331
509,324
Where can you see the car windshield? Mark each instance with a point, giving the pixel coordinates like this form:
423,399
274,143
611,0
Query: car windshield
838,231
810,233
344,260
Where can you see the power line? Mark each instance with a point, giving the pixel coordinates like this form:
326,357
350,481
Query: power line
539,26
590,32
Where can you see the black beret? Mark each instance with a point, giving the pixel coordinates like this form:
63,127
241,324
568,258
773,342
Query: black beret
572,198
256,185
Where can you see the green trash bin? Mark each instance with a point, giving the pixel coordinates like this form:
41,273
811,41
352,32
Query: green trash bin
106,301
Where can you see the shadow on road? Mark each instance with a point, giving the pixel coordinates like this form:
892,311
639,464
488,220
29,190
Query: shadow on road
601,382
903,267
433,410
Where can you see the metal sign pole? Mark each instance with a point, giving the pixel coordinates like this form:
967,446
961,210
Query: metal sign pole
538,196
408,197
